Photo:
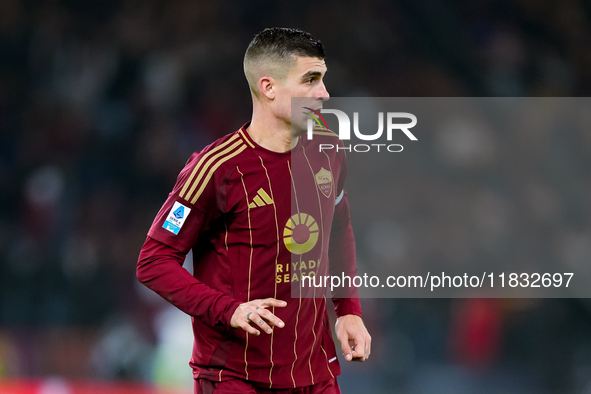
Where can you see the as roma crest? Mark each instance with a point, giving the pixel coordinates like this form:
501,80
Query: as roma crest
324,182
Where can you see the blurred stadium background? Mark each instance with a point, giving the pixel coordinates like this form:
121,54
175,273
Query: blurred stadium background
102,102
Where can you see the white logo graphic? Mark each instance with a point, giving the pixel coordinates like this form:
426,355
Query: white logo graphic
176,217
344,132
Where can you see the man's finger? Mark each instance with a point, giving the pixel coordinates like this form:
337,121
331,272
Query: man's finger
367,347
359,356
347,352
258,320
273,302
359,351
249,329
271,318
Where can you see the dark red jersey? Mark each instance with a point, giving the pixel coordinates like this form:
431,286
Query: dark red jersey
257,221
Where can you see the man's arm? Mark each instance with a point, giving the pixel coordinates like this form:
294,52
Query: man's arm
350,330
185,216
341,255
160,268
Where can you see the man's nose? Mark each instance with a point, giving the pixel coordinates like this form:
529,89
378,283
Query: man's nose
323,93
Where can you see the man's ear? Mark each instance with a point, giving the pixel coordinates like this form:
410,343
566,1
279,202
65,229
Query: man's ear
266,85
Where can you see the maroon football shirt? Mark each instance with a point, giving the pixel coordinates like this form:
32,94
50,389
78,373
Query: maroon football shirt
256,221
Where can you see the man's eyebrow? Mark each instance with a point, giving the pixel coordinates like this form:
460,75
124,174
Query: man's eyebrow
312,74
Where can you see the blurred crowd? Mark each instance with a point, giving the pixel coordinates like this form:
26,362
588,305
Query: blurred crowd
102,102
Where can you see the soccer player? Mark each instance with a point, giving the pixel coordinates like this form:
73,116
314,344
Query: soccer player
261,208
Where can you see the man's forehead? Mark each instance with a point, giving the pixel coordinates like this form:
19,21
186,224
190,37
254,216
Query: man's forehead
305,64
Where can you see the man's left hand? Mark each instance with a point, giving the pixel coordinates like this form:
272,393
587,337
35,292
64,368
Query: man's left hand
355,340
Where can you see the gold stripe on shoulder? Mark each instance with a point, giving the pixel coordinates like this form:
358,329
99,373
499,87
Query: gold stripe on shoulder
246,139
215,167
201,161
328,133
203,169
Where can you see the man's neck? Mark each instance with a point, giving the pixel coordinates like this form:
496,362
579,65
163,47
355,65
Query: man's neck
271,134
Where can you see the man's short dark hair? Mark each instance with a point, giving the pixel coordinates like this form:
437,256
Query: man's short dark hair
273,50
284,42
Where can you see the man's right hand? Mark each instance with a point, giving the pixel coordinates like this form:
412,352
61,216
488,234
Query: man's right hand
255,313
